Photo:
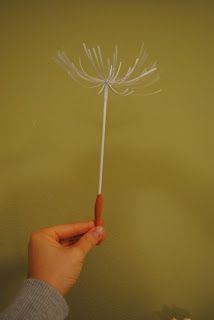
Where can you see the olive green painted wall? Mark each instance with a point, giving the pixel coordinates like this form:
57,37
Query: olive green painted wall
158,170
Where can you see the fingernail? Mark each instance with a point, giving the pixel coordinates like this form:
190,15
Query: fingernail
98,232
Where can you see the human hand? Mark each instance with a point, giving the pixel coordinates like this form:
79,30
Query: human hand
56,254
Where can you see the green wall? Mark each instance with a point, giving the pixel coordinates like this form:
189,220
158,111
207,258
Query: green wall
158,171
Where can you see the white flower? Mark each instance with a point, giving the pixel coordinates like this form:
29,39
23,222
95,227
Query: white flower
108,74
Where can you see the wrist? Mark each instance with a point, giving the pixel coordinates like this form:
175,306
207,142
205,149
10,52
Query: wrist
50,282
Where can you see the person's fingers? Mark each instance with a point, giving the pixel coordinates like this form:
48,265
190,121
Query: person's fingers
90,239
64,231
103,237
70,241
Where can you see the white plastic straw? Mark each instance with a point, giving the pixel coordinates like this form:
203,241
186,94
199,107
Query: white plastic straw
103,137
107,76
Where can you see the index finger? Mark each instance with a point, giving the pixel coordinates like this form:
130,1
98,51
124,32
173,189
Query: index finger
65,231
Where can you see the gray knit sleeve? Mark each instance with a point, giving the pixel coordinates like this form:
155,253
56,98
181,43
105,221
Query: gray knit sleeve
37,300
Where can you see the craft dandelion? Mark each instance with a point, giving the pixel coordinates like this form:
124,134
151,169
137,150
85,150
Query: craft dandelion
107,77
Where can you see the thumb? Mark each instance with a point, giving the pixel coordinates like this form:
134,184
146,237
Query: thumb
90,239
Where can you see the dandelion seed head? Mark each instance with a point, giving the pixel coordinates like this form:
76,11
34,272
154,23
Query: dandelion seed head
109,73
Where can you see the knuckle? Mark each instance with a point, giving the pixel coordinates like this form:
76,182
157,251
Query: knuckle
34,234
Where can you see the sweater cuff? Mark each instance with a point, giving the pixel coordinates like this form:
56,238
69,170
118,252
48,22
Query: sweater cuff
38,300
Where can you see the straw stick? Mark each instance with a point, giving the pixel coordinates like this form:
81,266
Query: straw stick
107,77
103,137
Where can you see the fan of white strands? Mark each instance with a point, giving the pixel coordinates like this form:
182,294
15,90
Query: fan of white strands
107,76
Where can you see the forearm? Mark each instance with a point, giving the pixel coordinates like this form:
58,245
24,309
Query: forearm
36,300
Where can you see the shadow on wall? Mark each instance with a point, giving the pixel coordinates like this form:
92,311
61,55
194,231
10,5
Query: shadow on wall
126,171
173,313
